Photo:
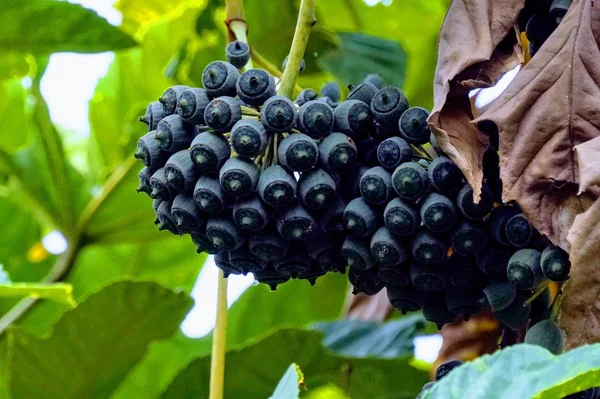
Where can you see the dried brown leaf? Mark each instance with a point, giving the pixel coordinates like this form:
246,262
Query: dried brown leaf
468,340
478,44
371,308
580,310
588,160
552,106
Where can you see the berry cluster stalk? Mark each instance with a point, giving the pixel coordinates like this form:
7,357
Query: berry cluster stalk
306,20
217,365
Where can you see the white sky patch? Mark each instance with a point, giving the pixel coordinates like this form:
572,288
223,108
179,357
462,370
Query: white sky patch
201,319
69,84
55,242
427,347
486,96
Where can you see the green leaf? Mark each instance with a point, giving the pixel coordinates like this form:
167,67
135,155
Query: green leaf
94,345
323,301
414,24
59,292
522,371
253,371
364,339
289,385
295,303
47,26
361,54
173,263
160,365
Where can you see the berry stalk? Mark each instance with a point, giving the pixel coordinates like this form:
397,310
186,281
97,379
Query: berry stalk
217,364
306,20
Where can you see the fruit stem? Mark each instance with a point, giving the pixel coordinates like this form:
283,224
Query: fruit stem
217,362
236,24
419,151
267,158
250,111
275,137
306,20
538,292
556,306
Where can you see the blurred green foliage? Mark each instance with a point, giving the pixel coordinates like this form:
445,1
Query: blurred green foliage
130,282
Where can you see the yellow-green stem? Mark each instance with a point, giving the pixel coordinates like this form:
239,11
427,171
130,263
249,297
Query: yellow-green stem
217,363
306,20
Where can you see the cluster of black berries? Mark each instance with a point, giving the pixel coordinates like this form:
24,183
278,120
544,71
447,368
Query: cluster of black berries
287,189
252,176
540,18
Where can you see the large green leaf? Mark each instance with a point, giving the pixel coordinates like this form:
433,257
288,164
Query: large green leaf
173,263
258,310
295,303
93,346
522,371
289,385
360,54
357,338
252,372
160,365
48,26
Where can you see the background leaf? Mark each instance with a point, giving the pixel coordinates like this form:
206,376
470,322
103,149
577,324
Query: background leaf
360,54
46,26
363,339
258,367
172,263
91,348
295,303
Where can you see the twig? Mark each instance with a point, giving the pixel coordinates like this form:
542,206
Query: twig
217,362
306,20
